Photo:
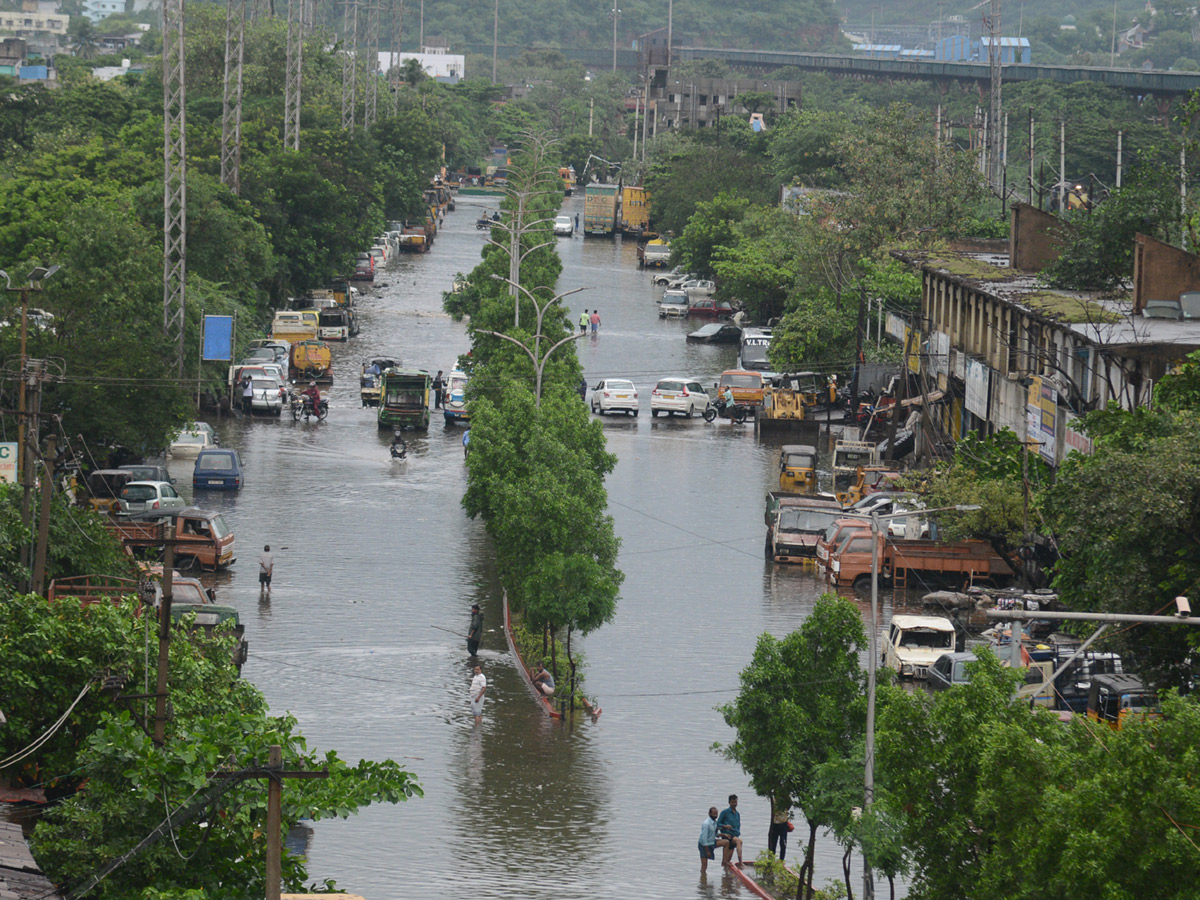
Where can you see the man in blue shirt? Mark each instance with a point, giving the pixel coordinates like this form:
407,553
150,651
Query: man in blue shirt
729,826
708,839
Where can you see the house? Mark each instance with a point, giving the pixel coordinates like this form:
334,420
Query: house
441,66
99,10
1009,353
701,102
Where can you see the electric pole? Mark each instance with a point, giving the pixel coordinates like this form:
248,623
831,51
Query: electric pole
349,64
294,67
613,15
371,94
394,58
174,177
993,135
231,105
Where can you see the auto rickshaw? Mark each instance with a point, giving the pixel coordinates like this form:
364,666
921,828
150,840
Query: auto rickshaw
1112,699
798,468
104,489
371,379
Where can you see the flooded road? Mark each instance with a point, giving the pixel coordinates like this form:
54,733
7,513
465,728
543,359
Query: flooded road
375,557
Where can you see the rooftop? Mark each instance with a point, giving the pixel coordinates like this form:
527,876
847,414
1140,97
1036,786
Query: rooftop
1104,320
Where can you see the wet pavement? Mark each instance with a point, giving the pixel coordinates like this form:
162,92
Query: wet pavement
375,557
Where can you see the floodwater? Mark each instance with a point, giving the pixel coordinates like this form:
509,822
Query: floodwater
375,559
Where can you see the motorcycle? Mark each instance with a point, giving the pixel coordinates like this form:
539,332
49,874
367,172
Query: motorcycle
399,448
483,222
302,406
733,412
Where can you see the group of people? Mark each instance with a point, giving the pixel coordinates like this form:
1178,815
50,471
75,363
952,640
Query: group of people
543,681
589,319
724,831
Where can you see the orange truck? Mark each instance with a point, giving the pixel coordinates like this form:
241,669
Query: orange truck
202,538
957,562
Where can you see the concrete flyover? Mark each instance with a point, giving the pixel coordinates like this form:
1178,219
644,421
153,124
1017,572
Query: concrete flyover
1135,81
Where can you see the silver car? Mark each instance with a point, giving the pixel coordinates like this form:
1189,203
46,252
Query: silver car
148,498
267,396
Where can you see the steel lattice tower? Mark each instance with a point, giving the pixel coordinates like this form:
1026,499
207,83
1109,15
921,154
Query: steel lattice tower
393,72
295,57
371,94
349,64
174,176
231,108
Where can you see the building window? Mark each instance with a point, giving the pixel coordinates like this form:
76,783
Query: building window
670,98
704,99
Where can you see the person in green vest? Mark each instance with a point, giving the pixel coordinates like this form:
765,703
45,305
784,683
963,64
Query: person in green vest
584,318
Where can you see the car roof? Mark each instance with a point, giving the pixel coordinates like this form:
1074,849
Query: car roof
741,372
711,328
936,623
798,448
155,483
958,655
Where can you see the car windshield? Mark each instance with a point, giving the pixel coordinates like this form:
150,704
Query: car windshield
618,385
190,437
670,385
457,384
807,520
800,460
139,493
215,462
219,528
563,220
913,638
742,381
142,473
675,297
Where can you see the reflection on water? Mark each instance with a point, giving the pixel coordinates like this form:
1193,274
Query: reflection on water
376,569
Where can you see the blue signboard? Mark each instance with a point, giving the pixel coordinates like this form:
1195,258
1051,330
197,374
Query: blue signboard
218,337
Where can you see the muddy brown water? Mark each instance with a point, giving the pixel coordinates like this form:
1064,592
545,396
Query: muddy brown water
374,557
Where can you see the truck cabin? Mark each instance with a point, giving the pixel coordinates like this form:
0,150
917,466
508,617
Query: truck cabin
914,643
798,468
1112,699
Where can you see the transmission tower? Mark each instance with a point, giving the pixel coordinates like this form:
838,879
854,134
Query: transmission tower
393,72
308,11
371,94
174,176
231,108
994,162
349,64
295,54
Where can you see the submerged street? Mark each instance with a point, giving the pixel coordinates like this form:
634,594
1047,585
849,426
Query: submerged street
375,557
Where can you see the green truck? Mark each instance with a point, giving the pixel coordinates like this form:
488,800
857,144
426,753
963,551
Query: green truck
404,399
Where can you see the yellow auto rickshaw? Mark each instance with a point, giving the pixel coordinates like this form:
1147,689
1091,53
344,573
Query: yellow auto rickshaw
798,468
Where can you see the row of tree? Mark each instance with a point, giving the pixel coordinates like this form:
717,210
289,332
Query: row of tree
975,795
537,459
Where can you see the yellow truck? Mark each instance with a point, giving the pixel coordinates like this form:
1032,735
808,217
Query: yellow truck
295,325
635,210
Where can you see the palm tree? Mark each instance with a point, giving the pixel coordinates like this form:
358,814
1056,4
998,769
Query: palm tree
83,34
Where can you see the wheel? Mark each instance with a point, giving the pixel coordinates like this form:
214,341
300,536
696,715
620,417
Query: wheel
323,412
279,412
710,414
862,583
654,413
634,412
296,410
687,413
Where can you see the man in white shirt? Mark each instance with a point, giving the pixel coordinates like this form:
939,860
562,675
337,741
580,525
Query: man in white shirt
478,687
266,568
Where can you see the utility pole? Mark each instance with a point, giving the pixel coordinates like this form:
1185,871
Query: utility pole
1062,166
394,57
993,149
495,36
164,636
349,64
371,94
613,15
859,334
421,33
231,103
174,177
1031,157
670,26
1120,136
294,67
43,538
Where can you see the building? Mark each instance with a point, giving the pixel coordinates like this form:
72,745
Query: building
445,67
98,10
701,102
108,73
1009,353
960,48
42,32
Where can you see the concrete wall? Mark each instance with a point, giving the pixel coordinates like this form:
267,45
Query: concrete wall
1033,240
1162,272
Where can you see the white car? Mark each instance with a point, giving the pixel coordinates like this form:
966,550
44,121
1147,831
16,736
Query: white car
563,226
613,394
679,395
698,287
147,498
188,444
673,303
662,279
914,643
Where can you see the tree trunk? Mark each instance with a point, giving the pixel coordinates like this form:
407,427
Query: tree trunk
891,887
846,873
545,639
553,650
571,662
806,876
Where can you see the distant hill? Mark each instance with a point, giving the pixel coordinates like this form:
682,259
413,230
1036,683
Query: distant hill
759,24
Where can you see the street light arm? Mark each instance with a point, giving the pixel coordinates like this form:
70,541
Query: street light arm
513,340
536,247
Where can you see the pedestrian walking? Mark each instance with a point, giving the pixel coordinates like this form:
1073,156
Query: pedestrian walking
478,688
266,568
781,824
475,631
576,221
595,320
247,395
438,384
584,318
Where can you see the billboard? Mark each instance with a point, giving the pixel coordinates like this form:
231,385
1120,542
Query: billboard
218,338
8,462
1041,410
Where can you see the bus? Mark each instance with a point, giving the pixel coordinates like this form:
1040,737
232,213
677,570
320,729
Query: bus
752,351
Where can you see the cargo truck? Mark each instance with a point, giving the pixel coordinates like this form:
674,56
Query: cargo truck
600,202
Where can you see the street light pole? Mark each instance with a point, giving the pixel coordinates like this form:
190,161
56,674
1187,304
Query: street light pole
614,14
495,38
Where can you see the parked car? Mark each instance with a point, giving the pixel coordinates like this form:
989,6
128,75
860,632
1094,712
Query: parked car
218,470
950,669
190,444
147,472
710,308
716,333
679,281
612,394
269,356
698,287
662,279
679,395
914,643
673,303
364,267
564,226
267,396
148,498
205,428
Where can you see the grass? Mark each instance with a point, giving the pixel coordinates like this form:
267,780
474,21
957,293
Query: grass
965,267
1065,308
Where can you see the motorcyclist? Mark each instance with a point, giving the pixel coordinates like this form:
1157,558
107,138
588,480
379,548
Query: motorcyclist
399,448
312,397
727,402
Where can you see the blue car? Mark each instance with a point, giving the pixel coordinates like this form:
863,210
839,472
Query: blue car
218,470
